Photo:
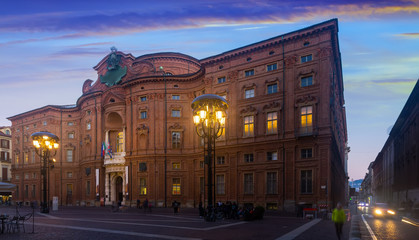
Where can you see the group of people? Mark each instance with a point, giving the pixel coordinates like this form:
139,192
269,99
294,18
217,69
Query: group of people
146,205
228,210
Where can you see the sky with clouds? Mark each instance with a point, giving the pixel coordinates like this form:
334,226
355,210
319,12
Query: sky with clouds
48,49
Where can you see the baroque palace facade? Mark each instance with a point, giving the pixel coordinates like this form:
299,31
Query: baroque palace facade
284,142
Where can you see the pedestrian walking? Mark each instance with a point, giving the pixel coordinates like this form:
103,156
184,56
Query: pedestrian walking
145,205
338,217
175,206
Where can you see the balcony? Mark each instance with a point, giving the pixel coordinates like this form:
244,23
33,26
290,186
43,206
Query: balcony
118,158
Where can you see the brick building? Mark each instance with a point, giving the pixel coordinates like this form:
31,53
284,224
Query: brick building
284,142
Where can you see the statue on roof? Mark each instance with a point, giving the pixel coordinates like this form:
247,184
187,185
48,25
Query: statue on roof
115,72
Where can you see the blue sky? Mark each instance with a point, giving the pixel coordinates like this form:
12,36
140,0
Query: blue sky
48,49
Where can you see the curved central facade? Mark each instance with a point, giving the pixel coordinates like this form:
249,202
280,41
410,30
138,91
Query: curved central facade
131,135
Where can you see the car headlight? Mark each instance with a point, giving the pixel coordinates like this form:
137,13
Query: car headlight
391,212
378,211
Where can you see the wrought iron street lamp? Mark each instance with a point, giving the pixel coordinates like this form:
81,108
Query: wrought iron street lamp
209,116
45,142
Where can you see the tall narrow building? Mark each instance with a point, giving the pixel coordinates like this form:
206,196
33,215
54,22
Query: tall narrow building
131,136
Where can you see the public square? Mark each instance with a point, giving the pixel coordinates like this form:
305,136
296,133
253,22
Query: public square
131,223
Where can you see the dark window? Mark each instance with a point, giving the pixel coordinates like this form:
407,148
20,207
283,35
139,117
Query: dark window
221,80
248,157
306,181
249,73
306,81
143,166
307,58
272,67
306,153
272,88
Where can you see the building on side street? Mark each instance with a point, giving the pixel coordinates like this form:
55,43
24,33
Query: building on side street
395,170
130,135
5,160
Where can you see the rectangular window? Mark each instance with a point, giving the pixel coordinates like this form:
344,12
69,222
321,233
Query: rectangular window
71,135
143,114
249,73
175,97
33,191
143,186
33,156
44,123
221,80
220,184
69,189
306,81
201,164
306,119
176,186
142,167
175,113
248,126
249,93
143,98
306,181
17,160
272,88
306,153
271,183
272,156
176,165
69,155
5,143
220,160
248,158
26,156
307,58
175,140
272,123
70,124
248,183
120,142
271,67
26,175
88,188
69,175
89,126
26,191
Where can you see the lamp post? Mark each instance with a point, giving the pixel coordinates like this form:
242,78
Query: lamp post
209,115
44,142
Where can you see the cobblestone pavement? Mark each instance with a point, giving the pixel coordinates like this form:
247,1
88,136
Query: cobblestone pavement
102,223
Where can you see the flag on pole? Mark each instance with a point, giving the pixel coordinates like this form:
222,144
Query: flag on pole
110,151
103,149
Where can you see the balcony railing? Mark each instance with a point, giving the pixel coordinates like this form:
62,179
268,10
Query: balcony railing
118,158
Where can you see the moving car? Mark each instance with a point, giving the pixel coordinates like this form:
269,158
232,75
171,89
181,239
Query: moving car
383,210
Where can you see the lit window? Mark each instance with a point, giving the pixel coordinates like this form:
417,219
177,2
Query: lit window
248,126
175,97
249,73
306,153
120,142
249,93
175,113
71,135
176,186
70,123
248,158
176,166
306,181
272,156
306,119
272,88
248,183
271,67
220,160
221,80
143,114
143,98
306,58
306,81
271,183
220,184
26,155
88,126
272,123
69,155
143,186
176,140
